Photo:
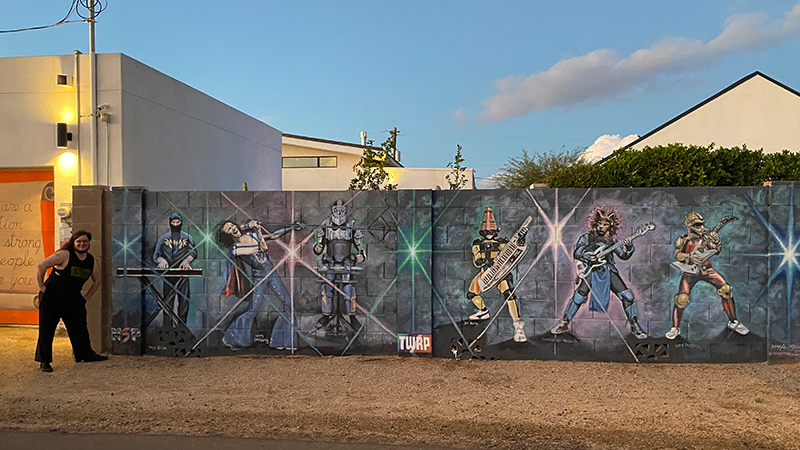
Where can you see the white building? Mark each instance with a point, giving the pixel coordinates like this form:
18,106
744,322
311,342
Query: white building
756,111
151,130
311,164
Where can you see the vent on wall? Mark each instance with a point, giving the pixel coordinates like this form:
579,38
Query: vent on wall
63,80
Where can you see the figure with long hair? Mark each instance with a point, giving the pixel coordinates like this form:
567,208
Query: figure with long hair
248,248
60,298
603,278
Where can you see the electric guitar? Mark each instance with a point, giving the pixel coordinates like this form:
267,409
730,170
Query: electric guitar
601,251
702,251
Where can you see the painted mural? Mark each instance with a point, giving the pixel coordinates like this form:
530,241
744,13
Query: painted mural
631,275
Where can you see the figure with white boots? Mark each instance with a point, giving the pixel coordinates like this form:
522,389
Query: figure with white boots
693,252
485,254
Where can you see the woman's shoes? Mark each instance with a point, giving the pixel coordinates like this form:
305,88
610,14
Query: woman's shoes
45,367
94,357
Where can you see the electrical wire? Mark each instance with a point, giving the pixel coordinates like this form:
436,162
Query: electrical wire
100,6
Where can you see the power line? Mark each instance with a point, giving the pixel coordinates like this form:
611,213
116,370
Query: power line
100,6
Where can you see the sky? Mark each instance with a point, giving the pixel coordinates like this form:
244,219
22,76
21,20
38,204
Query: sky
495,77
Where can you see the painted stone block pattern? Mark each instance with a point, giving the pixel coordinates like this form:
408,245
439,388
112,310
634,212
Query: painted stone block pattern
632,275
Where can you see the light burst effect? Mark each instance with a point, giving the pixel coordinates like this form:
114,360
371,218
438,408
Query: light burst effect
789,267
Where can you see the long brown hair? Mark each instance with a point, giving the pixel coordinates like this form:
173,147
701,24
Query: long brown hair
70,244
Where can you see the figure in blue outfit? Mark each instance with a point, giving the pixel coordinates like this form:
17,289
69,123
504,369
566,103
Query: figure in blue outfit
603,278
175,249
248,248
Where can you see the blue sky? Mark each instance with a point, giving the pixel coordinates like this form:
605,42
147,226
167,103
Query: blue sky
495,77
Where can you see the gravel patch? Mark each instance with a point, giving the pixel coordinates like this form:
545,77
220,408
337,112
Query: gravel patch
393,400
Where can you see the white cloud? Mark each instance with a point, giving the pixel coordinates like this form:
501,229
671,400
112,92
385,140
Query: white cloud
606,145
460,118
604,74
489,182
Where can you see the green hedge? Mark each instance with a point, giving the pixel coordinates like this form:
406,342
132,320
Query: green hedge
681,165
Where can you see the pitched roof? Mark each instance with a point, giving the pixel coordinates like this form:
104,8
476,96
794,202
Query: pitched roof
703,103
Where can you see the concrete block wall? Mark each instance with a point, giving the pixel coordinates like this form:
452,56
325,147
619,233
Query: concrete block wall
419,268
92,212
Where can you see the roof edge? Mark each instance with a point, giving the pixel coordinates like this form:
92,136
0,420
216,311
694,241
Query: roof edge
328,141
703,103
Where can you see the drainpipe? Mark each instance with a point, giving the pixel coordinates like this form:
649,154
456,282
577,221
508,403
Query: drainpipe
78,112
93,97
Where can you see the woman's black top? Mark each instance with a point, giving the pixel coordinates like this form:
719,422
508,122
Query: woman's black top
69,281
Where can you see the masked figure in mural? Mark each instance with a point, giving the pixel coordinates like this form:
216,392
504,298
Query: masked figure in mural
341,247
693,251
597,274
485,251
248,248
175,249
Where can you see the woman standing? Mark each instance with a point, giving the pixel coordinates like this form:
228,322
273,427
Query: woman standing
60,298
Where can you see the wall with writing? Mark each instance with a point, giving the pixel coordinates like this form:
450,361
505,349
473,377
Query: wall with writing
26,237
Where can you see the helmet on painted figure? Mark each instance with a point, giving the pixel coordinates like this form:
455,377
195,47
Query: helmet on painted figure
339,213
488,225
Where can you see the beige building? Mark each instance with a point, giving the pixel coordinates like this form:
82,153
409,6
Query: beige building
756,111
311,164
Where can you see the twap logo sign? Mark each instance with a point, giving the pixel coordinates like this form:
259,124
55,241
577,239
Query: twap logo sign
414,343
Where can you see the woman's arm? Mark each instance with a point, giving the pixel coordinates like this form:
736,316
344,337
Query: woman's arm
59,258
95,279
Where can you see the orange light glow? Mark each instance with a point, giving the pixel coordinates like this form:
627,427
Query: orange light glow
67,161
67,115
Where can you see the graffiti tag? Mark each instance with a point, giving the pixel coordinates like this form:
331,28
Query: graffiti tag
558,339
784,350
414,343
123,335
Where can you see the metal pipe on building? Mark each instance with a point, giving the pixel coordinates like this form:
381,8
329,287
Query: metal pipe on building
93,96
78,112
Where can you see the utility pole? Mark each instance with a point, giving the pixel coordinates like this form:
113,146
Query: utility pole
393,133
93,97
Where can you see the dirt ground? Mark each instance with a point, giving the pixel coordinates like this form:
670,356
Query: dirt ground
463,404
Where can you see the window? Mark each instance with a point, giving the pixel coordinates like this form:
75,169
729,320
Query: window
309,161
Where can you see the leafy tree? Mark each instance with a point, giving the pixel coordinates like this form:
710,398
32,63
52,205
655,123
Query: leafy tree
457,178
680,165
521,173
370,170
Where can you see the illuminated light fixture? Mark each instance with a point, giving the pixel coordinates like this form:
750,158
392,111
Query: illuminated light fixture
67,115
63,80
67,161
62,136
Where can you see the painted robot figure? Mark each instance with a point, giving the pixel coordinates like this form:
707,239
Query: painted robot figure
248,248
693,251
175,249
341,247
484,252
599,275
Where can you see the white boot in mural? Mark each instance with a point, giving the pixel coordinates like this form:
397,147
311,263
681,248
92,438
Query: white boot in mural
519,331
738,327
673,333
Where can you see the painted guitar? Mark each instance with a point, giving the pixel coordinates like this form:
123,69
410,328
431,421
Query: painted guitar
702,251
600,252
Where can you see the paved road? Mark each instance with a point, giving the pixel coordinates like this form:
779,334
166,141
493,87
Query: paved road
24,440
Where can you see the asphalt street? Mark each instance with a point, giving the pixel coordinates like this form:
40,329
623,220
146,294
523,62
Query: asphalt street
24,440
